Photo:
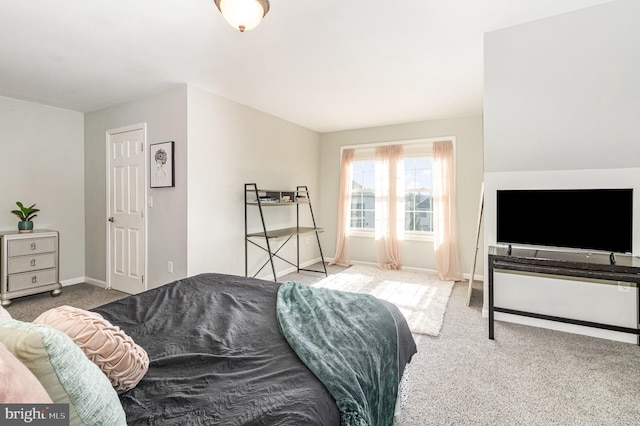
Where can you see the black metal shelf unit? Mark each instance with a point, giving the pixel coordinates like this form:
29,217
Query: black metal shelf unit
260,198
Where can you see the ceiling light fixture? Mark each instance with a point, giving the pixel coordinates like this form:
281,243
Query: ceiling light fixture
243,14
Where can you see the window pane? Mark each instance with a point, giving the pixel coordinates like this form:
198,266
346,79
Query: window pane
409,221
369,219
363,175
356,219
358,181
356,201
409,163
409,201
368,200
424,163
424,178
424,202
363,219
424,222
357,166
363,195
418,198
369,180
409,177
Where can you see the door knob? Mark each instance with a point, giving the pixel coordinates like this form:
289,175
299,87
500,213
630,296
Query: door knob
111,219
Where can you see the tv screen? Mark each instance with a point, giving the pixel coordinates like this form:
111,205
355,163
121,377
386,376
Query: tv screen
592,219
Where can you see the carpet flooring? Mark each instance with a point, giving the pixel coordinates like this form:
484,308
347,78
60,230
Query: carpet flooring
83,296
526,376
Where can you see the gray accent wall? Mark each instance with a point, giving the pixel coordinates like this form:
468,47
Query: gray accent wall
165,116
42,157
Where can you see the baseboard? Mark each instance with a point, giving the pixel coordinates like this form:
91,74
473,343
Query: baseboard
266,276
404,268
289,270
412,269
97,283
72,281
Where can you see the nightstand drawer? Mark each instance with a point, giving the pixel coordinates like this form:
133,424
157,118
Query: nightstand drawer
30,246
31,263
31,279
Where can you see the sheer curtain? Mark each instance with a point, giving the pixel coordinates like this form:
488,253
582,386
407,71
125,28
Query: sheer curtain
342,256
444,213
389,225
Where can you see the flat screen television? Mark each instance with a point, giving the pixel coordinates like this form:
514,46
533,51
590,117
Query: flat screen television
591,219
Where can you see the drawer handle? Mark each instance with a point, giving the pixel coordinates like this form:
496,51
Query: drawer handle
34,279
33,262
33,246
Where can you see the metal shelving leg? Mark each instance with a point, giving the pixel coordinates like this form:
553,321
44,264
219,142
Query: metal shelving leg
313,219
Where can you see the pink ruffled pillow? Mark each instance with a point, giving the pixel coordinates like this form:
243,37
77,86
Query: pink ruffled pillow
18,385
118,356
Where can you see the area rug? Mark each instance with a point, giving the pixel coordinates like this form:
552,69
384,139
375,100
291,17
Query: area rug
421,297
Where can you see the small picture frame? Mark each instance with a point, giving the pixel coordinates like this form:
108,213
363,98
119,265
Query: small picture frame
161,165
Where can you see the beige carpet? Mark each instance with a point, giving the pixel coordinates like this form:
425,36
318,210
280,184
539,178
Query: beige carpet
421,297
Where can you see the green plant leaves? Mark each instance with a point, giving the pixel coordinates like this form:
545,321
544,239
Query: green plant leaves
25,213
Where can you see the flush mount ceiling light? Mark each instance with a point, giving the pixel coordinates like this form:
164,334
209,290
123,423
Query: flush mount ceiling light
243,14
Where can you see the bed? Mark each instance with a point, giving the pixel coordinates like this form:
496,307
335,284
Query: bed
233,350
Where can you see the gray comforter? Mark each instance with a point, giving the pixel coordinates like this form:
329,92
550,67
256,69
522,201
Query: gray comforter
217,357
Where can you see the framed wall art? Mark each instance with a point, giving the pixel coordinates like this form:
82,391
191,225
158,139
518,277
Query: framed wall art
161,165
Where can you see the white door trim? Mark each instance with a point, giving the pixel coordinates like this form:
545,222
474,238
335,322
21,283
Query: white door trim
108,133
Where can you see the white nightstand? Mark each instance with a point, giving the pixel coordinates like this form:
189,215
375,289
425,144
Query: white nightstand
28,264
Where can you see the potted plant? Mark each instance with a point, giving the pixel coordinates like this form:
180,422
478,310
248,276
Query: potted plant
25,214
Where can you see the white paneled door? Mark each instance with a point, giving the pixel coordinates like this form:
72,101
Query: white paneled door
126,210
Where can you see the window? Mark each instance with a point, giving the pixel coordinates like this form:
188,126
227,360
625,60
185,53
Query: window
418,207
363,195
418,194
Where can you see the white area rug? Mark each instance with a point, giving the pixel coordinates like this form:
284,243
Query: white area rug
421,297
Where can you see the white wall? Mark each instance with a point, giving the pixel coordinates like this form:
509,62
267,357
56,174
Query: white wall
165,115
561,108
562,93
230,145
199,224
469,169
42,162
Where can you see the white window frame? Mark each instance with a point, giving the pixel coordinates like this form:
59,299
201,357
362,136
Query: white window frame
419,235
360,230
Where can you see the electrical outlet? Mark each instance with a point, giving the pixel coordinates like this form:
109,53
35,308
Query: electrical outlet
170,267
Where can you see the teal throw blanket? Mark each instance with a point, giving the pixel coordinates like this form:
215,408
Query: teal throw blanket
349,341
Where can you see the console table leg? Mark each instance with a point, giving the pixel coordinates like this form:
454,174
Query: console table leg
490,300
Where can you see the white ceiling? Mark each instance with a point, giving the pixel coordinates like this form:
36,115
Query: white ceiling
326,64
